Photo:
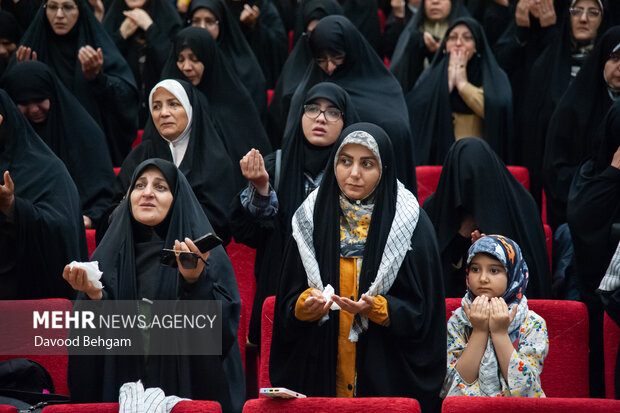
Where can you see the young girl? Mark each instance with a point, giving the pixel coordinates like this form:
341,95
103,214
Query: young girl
496,346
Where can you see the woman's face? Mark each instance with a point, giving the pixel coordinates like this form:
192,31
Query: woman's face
437,10
192,68
150,197
320,131
584,23
460,38
6,48
329,62
207,20
168,114
36,111
487,276
357,171
62,15
612,70
135,4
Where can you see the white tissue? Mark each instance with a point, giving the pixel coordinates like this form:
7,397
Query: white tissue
328,291
92,271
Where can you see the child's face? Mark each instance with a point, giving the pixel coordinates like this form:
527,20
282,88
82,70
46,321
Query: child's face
487,276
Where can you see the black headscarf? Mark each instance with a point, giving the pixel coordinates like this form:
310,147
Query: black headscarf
431,104
405,359
112,98
408,58
46,230
152,46
573,129
206,164
231,109
375,93
70,132
10,30
235,47
218,378
476,181
363,15
296,64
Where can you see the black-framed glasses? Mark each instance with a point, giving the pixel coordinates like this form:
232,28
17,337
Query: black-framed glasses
66,8
314,111
335,60
188,259
578,12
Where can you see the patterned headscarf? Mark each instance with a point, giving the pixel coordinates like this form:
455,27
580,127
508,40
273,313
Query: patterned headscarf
509,254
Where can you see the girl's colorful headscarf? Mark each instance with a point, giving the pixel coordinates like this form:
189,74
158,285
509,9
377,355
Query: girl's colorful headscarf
509,254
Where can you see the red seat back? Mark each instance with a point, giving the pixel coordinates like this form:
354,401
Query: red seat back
265,341
464,404
611,339
336,405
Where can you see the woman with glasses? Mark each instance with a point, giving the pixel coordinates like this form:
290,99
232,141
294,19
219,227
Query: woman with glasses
360,310
66,36
214,16
143,31
196,58
464,93
278,184
159,212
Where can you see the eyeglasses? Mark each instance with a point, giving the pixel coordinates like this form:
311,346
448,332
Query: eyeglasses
466,38
314,111
578,12
189,260
197,21
335,60
66,8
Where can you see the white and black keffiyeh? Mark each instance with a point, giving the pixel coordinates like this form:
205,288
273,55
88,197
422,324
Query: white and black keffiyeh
611,280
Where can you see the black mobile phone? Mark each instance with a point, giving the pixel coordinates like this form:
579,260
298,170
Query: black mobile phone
207,242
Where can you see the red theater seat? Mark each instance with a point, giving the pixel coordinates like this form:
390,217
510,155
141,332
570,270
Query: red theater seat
269,96
7,409
565,372
611,339
186,406
464,404
265,341
90,241
138,138
336,405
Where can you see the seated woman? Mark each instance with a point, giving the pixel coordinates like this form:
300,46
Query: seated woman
422,38
197,59
214,16
180,130
69,131
160,211
142,30
463,93
483,359
41,226
362,233
261,216
477,192
65,35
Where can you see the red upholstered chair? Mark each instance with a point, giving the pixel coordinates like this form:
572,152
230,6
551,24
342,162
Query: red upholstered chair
265,342
85,407
20,310
290,41
339,405
138,138
611,339
90,241
565,372
197,406
7,409
464,404
427,177
269,95
381,20
117,170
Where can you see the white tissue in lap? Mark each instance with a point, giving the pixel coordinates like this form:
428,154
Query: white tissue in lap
92,271
328,291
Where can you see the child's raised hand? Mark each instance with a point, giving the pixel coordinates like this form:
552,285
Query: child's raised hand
478,313
500,318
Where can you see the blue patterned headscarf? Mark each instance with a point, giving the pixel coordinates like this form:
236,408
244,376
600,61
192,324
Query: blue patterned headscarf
509,254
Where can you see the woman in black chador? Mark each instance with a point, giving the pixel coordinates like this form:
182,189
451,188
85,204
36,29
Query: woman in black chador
41,227
80,52
476,192
70,132
362,236
160,211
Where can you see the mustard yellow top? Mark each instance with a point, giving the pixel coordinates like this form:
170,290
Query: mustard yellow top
470,124
345,369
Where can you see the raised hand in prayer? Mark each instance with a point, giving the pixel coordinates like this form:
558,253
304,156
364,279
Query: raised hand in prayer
7,191
500,318
317,304
76,277
545,12
504,3
615,162
140,17
363,305
253,169
522,13
92,61
478,313
190,275
128,28
98,8
249,15
460,68
431,44
24,53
